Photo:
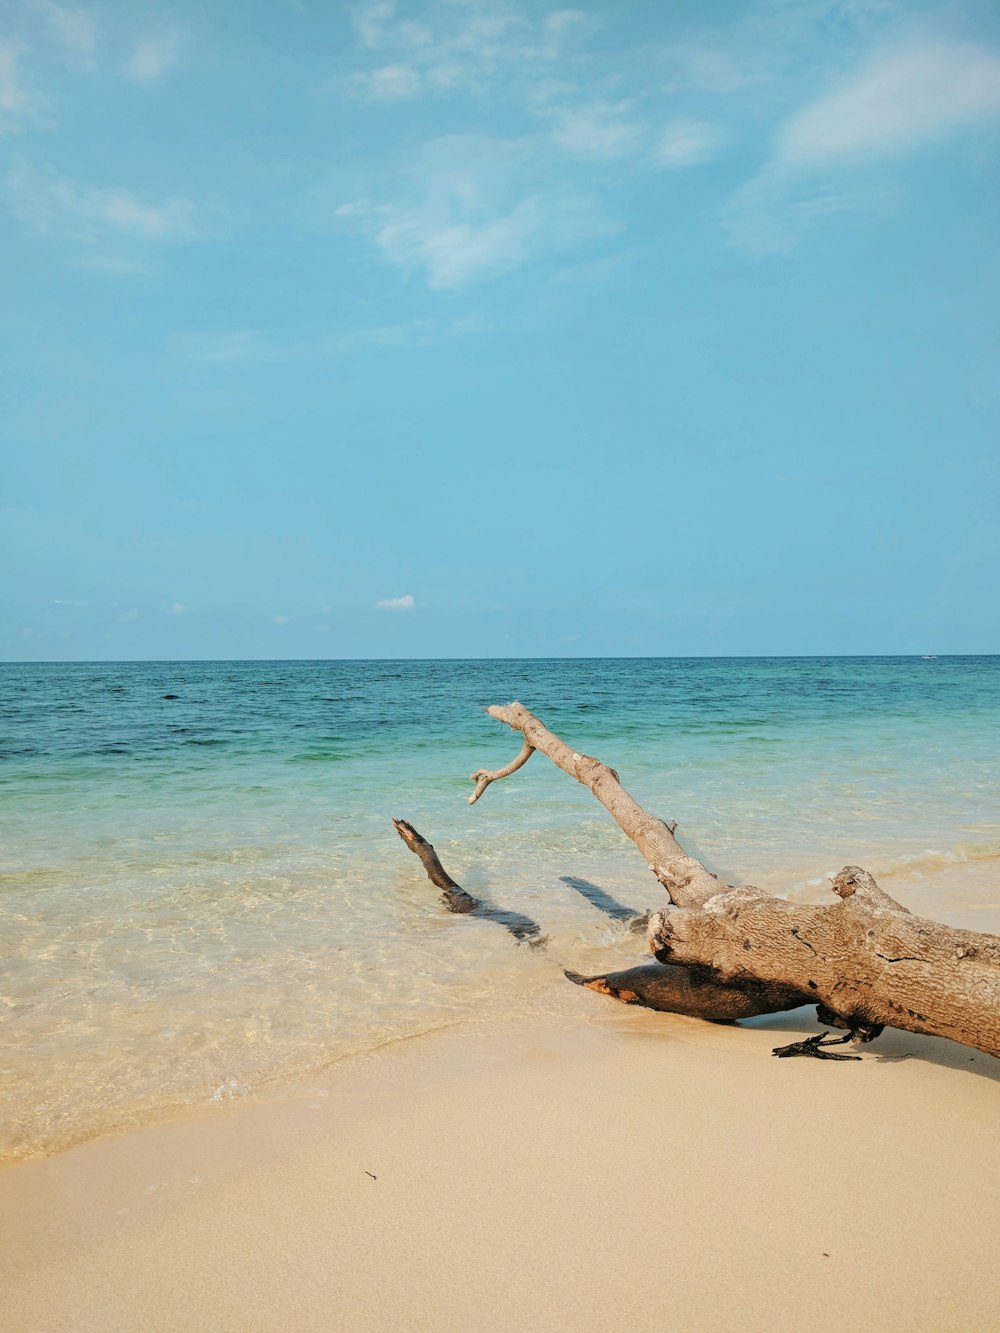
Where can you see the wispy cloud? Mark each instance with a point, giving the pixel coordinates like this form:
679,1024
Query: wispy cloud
388,83
472,208
220,346
250,347
479,207
118,265
454,252
377,26
597,130
686,143
406,603
178,609
719,67
454,48
151,58
19,103
55,206
900,102
73,27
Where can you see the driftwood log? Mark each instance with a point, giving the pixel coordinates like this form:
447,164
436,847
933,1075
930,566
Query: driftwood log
725,952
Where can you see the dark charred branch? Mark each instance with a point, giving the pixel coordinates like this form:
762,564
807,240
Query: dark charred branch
689,990
816,1046
456,899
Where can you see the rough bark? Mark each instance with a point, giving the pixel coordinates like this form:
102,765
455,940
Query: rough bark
865,960
729,952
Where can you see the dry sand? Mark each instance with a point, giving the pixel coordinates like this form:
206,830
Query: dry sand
619,1169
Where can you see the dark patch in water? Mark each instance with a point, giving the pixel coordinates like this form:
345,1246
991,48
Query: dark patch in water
600,898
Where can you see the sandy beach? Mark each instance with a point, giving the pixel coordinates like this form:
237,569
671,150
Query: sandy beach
610,1169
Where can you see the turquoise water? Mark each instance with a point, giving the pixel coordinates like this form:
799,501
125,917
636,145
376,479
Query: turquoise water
201,890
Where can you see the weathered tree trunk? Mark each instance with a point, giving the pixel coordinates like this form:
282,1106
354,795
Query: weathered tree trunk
727,952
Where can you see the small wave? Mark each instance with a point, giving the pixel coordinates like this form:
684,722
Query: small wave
230,1089
931,859
927,862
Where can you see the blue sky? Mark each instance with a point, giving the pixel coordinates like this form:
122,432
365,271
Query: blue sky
473,328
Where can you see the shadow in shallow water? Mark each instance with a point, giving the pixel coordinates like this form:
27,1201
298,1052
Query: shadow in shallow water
604,902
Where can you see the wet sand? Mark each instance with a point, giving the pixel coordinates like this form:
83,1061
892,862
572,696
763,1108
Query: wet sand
613,1169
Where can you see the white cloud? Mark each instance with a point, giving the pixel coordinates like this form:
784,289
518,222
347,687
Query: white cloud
705,67
455,47
227,345
356,208
406,603
454,252
122,211
18,103
686,143
249,347
121,266
282,620
391,83
374,24
567,20
55,206
598,130
127,616
178,609
73,27
151,58
371,19
13,98
899,102
769,214
481,207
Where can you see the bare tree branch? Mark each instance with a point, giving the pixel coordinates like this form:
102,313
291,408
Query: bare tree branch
483,777
685,879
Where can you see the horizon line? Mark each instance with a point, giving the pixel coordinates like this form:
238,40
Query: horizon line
587,657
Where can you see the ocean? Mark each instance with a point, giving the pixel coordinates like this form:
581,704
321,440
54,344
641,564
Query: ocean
202,893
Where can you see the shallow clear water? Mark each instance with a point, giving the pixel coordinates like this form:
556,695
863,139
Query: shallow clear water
203,893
